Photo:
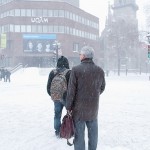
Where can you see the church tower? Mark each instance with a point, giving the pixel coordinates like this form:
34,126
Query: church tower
125,9
121,36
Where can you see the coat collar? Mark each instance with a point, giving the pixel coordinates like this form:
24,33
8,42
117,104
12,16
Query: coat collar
87,60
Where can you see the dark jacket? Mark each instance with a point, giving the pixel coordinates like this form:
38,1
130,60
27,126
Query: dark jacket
86,83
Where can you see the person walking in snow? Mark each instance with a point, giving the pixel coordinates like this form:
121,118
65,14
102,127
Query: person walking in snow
0,75
86,84
62,66
3,74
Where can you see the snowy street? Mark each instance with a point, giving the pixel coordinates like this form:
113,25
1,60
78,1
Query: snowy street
26,113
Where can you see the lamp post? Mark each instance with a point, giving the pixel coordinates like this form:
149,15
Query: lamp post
56,46
148,37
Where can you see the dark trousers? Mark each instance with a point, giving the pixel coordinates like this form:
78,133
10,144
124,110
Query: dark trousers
92,128
58,107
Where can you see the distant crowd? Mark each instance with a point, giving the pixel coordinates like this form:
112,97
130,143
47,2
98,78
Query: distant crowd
5,75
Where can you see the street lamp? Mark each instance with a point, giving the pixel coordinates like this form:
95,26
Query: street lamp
56,46
148,37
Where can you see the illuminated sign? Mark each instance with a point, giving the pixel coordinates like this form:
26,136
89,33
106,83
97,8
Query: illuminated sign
38,43
39,20
3,41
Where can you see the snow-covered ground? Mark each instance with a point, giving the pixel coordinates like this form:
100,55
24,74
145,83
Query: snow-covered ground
26,113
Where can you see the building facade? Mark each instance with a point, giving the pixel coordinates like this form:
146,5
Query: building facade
30,28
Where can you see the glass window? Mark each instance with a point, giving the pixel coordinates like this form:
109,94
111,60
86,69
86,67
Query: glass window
39,12
61,29
23,28
5,14
74,31
51,29
17,12
67,30
97,26
82,34
11,13
88,22
56,29
33,28
85,21
45,13
28,12
2,29
77,18
86,34
39,29
61,13
80,19
45,29
34,12
17,28
6,28
71,16
74,17
50,13
67,14
28,28
71,31
23,12
91,23
56,13
75,47
11,28
79,32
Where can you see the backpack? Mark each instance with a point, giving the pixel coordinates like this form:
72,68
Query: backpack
58,85
67,129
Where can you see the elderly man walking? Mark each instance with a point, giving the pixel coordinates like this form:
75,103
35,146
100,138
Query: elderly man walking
87,82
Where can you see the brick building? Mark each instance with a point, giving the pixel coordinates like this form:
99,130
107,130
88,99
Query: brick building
29,29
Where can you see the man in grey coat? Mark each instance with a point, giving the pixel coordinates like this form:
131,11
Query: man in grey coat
86,83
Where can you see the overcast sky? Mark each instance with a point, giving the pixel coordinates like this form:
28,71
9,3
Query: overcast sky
99,8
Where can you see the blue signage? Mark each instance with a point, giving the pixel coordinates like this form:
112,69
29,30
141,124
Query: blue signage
40,36
38,43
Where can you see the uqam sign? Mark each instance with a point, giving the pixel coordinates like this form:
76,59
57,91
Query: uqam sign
39,20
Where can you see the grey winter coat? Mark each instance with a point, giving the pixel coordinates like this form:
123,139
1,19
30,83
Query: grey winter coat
86,83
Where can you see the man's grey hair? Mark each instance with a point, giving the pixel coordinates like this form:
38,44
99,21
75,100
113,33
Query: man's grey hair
87,51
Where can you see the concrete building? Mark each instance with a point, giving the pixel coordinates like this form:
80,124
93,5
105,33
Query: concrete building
29,29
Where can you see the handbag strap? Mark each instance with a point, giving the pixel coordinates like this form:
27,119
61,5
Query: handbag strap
70,144
69,113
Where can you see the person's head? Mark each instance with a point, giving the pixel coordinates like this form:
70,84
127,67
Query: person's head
39,46
30,45
86,52
63,62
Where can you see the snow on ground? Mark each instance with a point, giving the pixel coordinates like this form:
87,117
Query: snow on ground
26,113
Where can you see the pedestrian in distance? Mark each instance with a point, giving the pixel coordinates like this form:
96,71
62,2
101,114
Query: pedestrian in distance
0,74
7,75
3,74
86,84
56,88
